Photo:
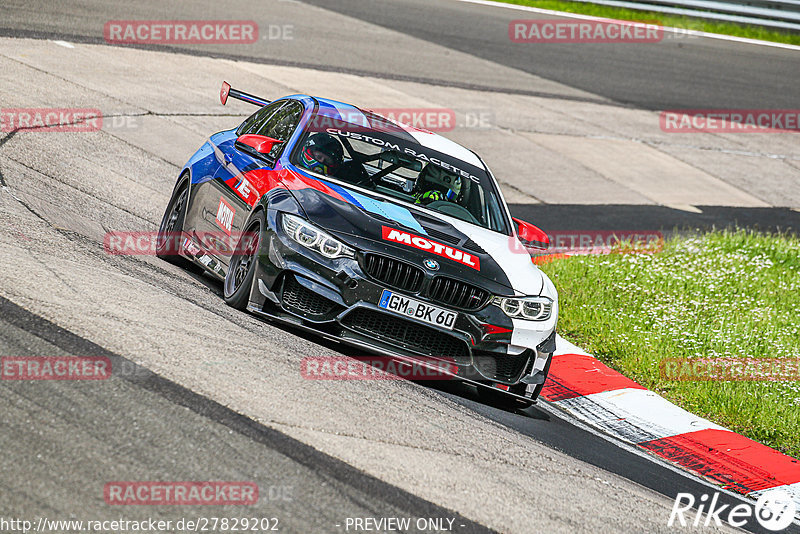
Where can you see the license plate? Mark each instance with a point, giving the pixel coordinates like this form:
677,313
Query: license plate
421,311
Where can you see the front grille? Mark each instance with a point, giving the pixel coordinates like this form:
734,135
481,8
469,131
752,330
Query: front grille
503,367
457,294
394,273
298,298
416,337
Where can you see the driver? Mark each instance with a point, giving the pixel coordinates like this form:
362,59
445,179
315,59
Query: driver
322,154
435,183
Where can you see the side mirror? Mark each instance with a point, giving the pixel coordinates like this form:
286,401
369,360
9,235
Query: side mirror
223,92
261,144
532,236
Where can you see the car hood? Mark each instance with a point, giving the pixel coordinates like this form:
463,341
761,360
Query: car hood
461,249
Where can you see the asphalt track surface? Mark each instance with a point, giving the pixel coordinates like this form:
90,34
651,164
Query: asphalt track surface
675,74
681,74
307,491
143,426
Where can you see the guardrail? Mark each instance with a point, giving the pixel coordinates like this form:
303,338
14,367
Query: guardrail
779,14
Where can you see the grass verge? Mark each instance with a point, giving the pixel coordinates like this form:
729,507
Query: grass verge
675,21
725,294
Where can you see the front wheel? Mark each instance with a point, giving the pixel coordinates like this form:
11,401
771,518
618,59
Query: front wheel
168,243
242,267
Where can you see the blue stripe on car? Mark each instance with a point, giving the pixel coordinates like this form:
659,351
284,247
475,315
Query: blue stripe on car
383,208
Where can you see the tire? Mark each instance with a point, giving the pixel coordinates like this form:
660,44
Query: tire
171,223
242,267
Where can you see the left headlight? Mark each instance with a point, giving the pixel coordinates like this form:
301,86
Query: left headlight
529,308
311,237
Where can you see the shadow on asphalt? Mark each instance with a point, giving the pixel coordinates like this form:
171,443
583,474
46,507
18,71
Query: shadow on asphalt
575,217
469,392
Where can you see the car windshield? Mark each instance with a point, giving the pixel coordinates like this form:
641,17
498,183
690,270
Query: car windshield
381,157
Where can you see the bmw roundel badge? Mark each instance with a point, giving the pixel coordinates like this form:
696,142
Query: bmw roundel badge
432,265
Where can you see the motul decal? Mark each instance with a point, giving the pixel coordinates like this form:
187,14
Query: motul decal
225,216
423,243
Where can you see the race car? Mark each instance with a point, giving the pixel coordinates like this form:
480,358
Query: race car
389,238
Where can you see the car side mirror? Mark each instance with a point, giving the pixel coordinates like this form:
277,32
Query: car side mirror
224,92
261,144
531,235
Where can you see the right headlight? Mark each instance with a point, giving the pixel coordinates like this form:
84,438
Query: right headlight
311,237
528,308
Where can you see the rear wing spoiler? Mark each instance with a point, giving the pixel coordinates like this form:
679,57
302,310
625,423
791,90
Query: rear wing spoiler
227,91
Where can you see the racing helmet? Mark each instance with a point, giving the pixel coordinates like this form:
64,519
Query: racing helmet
436,183
322,153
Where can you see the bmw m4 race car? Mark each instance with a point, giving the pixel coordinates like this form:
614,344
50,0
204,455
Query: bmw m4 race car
389,238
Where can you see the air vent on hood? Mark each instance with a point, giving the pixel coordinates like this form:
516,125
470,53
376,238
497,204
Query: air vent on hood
474,247
442,236
382,218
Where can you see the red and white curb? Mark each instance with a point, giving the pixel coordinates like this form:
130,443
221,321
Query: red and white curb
604,399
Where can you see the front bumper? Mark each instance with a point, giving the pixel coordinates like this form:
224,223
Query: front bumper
339,298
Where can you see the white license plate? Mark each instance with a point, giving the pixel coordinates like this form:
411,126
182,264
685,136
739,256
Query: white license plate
421,311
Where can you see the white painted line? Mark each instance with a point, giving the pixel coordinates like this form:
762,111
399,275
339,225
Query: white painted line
684,207
64,44
558,411
678,31
635,415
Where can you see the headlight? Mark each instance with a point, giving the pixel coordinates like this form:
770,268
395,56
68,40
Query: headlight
311,237
530,308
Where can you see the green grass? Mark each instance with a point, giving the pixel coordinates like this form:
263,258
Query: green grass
676,21
731,294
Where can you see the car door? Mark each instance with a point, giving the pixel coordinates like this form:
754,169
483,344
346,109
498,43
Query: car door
244,175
